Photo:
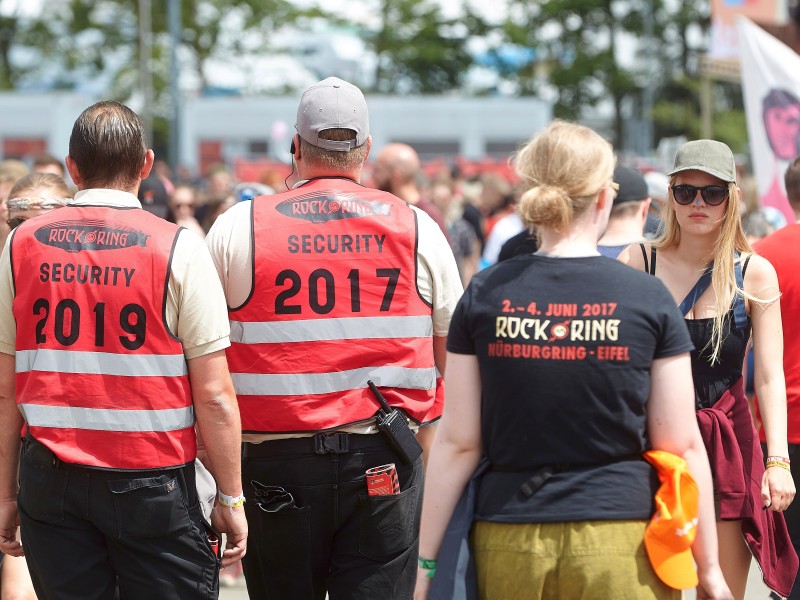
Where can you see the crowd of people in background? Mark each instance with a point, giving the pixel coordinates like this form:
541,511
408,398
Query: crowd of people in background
488,218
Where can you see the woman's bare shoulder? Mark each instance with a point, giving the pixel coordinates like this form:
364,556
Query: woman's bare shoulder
634,257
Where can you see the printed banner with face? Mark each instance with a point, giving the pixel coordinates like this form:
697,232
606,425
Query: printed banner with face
724,43
771,87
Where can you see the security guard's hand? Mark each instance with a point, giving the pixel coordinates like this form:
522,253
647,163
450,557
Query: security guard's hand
231,522
9,526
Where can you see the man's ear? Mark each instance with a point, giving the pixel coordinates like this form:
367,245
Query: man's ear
72,169
369,147
149,159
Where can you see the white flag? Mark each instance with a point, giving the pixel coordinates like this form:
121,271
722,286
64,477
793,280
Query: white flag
771,87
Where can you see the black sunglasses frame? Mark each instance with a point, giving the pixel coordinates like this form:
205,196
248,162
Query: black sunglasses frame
713,195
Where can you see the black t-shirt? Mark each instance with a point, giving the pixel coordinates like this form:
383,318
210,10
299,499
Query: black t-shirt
565,347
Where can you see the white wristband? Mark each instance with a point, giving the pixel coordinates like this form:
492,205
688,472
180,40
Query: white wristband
230,501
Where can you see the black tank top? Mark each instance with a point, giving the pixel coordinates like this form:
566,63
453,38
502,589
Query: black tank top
711,381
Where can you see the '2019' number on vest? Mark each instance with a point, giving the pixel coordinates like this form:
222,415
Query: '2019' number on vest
67,326
322,279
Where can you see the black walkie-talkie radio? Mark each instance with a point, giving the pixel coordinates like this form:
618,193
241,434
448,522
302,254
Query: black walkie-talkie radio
393,424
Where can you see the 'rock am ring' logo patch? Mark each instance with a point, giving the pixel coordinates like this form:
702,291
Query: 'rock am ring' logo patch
321,208
75,236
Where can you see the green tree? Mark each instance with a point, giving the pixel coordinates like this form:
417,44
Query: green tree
418,50
576,53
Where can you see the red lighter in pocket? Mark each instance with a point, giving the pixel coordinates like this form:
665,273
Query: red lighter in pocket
213,541
382,481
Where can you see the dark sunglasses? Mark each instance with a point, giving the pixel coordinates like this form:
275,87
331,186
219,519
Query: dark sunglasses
16,222
713,195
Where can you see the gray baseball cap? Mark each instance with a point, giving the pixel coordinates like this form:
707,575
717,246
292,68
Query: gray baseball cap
329,104
709,156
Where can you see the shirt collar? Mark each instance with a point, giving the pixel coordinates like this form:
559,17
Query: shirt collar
105,197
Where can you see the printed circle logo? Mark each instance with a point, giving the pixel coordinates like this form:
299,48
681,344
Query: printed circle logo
559,331
90,237
334,206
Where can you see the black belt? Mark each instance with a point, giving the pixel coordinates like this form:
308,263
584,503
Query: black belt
322,443
43,455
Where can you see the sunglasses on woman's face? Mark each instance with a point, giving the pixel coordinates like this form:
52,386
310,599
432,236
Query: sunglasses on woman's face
713,195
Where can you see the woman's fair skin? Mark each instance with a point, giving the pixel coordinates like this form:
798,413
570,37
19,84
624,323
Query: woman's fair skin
671,423
679,267
182,203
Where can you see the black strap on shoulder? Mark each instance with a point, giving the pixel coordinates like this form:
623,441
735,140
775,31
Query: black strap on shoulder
649,266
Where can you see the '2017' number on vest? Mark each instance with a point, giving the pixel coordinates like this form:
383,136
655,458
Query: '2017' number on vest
67,326
323,279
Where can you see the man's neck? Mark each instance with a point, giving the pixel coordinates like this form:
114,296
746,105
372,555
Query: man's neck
621,232
409,193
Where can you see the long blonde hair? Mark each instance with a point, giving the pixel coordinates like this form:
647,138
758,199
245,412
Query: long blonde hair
565,167
731,238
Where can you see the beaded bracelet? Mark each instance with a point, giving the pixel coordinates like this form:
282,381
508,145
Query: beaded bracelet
429,565
778,463
230,501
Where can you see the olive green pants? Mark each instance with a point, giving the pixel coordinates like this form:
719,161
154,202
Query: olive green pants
589,560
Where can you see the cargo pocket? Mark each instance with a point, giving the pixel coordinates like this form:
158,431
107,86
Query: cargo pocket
42,490
388,524
149,507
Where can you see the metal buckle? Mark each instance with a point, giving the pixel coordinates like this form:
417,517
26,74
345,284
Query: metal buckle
331,443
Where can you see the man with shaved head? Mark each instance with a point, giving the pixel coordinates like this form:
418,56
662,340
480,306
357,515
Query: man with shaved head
397,170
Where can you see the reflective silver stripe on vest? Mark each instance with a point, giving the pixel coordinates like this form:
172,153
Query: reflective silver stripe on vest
104,419
101,363
297,384
350,328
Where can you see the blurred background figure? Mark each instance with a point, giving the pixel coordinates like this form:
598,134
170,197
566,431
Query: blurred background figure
219,180
497,202
463,241
10,171
215,206
164,173
757,225
35,194
629,213
248,190
658,190
153,195
397,171
182,204
47,163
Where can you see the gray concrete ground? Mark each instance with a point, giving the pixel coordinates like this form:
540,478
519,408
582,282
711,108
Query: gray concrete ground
756,590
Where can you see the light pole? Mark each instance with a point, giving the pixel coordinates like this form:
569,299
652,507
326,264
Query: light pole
174,18
145,76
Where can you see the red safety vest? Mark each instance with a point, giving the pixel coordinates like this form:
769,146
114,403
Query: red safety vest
334,304
100,379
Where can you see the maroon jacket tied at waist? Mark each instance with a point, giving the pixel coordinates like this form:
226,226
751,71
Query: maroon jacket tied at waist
738,466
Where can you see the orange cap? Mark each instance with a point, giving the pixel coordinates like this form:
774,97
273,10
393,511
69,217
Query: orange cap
670,533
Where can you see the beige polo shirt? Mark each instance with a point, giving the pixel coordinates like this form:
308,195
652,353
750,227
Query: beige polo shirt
196,312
